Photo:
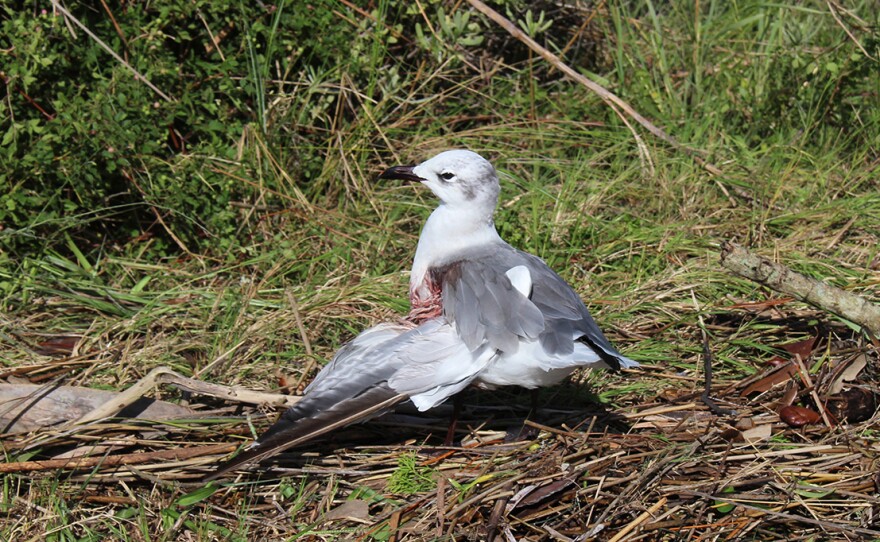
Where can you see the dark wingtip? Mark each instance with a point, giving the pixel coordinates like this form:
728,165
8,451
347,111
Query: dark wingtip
404,173
287,433
227,467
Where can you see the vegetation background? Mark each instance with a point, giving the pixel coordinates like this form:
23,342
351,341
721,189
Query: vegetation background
220,215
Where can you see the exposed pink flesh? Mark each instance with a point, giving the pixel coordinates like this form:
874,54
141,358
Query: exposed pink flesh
425,308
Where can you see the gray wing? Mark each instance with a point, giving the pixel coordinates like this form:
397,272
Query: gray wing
480,299
437,365
383,366
352,387
347,359
486,308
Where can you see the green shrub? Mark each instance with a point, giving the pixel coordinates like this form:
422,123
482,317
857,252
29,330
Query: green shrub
90,150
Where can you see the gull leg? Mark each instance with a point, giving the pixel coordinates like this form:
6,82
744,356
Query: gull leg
528,432
457,404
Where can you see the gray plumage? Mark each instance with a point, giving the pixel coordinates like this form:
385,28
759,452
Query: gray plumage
479,297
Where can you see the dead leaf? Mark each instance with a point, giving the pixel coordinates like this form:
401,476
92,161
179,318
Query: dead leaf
544,492
758,433
788,397
777,361
803,348
798,416
58,346
745,424
356,509
849,373
777,376
283,380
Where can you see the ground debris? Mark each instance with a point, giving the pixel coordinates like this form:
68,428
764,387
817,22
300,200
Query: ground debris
654,470
658,465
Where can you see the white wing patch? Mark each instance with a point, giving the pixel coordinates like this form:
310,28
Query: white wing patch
521,279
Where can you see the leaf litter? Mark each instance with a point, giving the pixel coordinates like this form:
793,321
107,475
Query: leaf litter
665,467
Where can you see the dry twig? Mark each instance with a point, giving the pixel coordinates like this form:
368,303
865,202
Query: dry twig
164,375
138,457
609,97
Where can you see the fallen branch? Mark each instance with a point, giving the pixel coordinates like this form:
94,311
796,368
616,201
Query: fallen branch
31,407
845,304
164,375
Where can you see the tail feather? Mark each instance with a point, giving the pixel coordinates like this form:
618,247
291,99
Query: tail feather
287,433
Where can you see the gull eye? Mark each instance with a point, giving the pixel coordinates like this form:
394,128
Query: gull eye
447,176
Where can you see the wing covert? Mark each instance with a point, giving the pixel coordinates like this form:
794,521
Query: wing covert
486,307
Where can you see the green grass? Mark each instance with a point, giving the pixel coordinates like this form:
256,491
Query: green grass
778,96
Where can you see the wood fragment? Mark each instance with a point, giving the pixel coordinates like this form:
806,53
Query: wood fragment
440,504
31,407
639,520
782,279
495,517
164,375
135,458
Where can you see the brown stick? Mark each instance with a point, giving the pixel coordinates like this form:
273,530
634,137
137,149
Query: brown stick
854,308
609,97
135,458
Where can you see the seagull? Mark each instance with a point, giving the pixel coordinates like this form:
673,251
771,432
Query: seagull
482,314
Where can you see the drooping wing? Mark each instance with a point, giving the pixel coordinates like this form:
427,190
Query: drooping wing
438,365
336,374
426,364
487,308
351,388
383,366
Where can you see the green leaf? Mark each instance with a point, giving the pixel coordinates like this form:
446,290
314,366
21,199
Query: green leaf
724,507
814,494
198,495
139,287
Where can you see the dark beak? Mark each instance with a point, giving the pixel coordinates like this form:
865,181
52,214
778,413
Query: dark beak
404,173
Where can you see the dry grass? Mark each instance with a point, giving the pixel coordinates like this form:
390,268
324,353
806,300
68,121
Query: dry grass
653,462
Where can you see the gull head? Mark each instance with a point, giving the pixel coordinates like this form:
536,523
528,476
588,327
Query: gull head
460,178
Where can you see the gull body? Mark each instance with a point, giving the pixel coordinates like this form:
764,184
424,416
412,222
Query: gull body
482,313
